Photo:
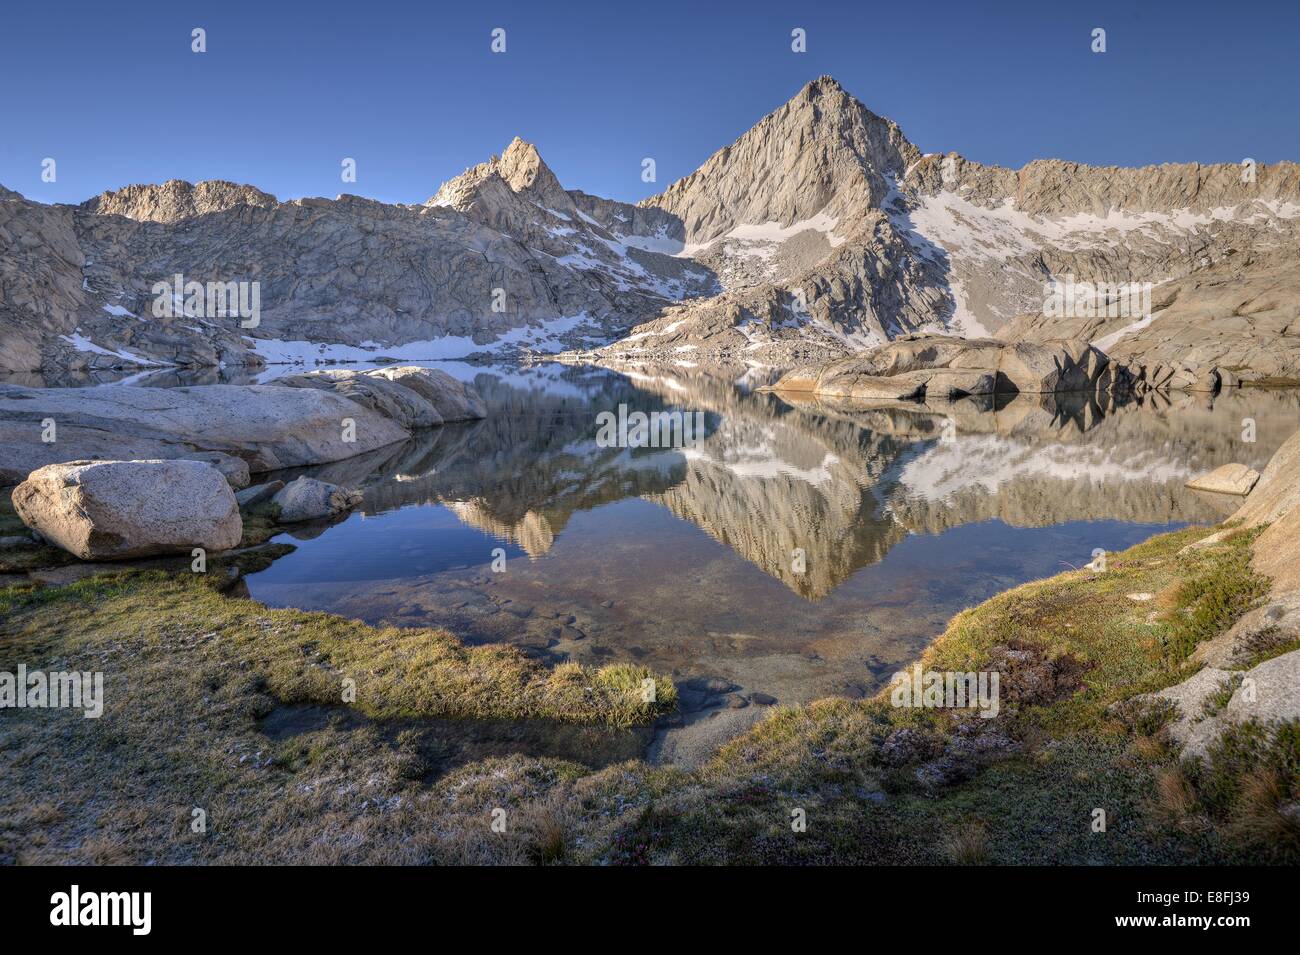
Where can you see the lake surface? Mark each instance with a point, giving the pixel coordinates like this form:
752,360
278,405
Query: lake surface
796,550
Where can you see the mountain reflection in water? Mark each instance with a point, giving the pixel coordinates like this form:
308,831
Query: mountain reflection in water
688,559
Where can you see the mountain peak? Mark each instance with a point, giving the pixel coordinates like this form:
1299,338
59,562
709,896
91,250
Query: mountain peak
520,168
820,152
824,84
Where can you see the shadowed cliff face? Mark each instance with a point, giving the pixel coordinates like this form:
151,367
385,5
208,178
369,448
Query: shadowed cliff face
811,492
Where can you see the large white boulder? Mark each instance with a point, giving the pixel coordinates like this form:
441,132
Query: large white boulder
111,510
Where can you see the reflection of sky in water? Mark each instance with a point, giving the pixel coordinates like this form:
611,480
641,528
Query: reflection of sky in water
684,560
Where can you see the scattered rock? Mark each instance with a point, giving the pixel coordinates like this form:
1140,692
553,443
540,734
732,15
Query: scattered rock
762,699
112,510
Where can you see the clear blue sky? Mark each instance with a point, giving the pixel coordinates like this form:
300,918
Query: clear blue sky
413,93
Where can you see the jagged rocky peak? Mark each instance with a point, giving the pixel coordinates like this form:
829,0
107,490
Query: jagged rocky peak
177,199
520,170
821,157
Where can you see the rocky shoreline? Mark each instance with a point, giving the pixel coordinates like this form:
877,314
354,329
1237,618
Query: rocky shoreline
945,368
310,418
122,472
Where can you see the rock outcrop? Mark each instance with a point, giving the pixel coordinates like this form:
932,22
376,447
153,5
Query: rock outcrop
1228,479
945,368
453,400
1275,501
266,426
306,419
1267,693
399,404
1245,678
113,510
1231,320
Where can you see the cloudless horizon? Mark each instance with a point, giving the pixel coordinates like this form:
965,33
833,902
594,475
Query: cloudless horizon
414,94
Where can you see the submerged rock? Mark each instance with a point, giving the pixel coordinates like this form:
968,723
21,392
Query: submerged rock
111,510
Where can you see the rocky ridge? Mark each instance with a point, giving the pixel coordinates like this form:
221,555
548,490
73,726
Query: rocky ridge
501,260
819,232
882,241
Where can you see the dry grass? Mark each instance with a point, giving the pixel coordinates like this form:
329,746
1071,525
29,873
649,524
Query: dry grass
967,844
1267,815
1174,799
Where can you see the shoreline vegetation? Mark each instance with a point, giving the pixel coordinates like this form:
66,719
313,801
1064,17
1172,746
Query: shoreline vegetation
220,706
